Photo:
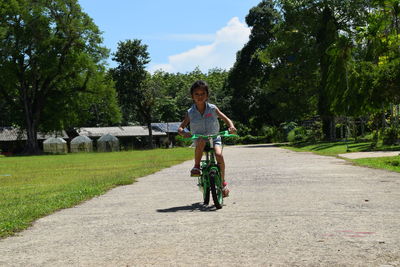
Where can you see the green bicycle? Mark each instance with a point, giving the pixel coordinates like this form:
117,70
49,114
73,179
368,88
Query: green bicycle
210,179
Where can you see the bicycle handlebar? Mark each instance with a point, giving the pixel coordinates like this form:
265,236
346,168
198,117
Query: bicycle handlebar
222,134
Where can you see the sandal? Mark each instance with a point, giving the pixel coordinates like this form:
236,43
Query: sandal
195,172
225,190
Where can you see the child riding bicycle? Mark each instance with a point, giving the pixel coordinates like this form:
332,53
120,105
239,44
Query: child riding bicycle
203,120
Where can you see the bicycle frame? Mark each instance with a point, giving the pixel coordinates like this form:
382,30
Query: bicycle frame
210,179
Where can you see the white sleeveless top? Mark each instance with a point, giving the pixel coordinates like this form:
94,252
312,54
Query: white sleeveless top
206,124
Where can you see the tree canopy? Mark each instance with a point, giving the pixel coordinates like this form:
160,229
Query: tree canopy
304,59
50,53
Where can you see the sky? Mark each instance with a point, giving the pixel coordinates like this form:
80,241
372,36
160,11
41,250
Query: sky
180,34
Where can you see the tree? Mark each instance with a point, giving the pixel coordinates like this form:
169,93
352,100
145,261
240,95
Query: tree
248,72
173,97
94,107
289,91
49,49
326,36
136,92
299,58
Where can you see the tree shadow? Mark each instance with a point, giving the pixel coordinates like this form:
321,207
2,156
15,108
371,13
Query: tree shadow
189,208
262,145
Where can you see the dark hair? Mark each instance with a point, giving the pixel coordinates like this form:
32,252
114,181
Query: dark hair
199,84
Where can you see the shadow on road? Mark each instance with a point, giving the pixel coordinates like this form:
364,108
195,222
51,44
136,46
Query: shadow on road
261,146
190,208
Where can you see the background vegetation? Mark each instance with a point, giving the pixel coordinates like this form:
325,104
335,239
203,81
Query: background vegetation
329,67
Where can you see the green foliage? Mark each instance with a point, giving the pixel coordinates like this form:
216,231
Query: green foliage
331,148
135,95
244,82
96,107
388,163
302,134
288,126
298,135
249,139
50,53
391,135
182,142
172,99
303,58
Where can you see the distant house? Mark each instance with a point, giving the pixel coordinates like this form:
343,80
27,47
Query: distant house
167,127
129,136
170,128
12,140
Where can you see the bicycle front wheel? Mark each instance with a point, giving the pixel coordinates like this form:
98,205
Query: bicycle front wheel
216,189
206,190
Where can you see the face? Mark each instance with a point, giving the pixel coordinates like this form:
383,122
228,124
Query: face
199,95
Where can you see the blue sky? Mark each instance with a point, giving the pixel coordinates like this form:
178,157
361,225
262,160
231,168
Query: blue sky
180,34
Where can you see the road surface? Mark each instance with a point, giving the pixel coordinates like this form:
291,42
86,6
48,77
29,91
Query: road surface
285,209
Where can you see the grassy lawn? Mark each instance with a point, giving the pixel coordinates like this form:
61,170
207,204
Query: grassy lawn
331,148
335,148
388,163
340,147
32,187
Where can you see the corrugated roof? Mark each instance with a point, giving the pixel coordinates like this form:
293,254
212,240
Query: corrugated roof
118,131
168,127
14,134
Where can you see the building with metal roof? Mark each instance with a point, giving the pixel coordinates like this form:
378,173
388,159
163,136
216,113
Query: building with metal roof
12,139
119,131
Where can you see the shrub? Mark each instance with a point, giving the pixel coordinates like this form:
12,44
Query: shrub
393,163
374,140
231,140
390,135
316,133
273,134
246,140
181,141
287,127
298,135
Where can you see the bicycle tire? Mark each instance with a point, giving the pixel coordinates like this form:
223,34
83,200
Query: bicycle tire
216,191
206,193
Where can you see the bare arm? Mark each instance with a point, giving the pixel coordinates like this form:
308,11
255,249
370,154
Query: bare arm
183,125
229,123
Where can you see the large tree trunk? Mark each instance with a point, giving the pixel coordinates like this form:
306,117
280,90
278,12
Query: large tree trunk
31,146
150,135
31,122
326,36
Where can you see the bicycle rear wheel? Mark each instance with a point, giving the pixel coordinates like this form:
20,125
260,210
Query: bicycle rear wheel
216,189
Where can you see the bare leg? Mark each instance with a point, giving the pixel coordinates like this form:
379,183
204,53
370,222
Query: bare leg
220,160
198,153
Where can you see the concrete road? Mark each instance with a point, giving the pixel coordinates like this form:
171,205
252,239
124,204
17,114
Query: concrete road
285,209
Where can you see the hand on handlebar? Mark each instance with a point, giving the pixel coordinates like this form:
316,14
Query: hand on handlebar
232,130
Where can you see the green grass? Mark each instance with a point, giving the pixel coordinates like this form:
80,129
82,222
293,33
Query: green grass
331,148
32,187
335,148
388,163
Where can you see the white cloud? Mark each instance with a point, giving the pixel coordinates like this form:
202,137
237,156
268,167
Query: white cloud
221,53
